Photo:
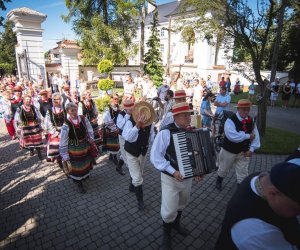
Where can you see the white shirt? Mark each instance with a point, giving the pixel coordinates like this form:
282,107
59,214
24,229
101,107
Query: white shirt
131,133
121,120
158,151
233,135
168,119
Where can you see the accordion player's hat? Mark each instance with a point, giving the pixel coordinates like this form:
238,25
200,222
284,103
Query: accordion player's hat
179,94
182,107
244,103
146,109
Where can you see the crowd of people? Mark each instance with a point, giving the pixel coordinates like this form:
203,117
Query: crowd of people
68,121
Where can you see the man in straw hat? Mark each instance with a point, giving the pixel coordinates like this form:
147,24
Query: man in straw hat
241,139
262,214
179,96
138,131
175,190
122,118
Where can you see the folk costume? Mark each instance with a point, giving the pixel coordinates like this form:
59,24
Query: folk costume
175,194
27,122
54,120
7,113
136,146
74,146
236,144
111,133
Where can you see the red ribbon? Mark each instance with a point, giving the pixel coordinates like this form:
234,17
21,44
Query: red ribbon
245,121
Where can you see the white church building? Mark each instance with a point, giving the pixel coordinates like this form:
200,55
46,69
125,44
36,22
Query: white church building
199,58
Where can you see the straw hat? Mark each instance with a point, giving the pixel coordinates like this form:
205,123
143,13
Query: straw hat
182,107
179,94
146,109
128,104
243,103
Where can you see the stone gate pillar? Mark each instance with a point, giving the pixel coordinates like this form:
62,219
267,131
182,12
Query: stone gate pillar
29,50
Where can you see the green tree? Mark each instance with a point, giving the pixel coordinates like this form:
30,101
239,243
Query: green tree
152,59
8,40
2,7
105,27
248,26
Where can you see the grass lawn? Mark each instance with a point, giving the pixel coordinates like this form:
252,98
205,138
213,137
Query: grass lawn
235,98
278,141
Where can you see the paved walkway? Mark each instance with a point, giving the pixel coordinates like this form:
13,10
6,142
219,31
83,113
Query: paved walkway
41,208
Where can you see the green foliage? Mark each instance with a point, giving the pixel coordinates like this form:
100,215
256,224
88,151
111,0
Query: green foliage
105,84
152,59
2,7
188,35
278,141
7,67
8,40
105,66
103,102
106,28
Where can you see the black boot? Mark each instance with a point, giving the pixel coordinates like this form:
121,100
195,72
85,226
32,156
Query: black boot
59,163
177,226
219,183
131,187
31,151
119,167
38,149
139,196
167,227
81,188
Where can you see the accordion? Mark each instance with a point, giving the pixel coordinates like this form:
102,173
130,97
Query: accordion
194,152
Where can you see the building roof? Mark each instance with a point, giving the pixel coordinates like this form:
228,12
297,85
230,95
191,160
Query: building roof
25,11
68,44
164,10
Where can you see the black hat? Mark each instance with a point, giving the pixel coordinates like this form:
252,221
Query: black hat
285,177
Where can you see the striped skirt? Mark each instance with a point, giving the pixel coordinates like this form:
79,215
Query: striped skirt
97,138
31,136
111,142
53,147
80,159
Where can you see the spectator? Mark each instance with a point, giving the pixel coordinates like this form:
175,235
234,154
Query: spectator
251,91
286,94
222,101
205,110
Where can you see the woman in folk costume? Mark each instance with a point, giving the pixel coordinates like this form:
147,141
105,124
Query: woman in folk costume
88,108
54,119
6,110
28,124
74,146
111,132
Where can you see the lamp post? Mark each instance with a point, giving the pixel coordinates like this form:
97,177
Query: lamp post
169,44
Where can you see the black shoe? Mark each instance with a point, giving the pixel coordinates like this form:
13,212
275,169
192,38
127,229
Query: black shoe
166,244
131,188
119,167
81,189
177,226
139,196
31,152
39,153
219,183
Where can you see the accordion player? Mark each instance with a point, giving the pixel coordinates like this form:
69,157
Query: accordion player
194,152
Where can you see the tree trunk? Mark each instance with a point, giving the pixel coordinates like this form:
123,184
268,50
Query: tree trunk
142,48
278,40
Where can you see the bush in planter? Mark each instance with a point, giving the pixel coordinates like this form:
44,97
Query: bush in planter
105,66
103,102
105,84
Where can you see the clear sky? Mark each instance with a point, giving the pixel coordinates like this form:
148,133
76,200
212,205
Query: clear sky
55,28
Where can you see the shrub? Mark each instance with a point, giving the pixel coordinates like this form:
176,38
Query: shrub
105,84
7,68
103,102
105,66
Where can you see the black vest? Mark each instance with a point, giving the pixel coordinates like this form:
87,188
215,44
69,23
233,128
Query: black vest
171,153
246,204
89,112
140,146
113,114
76,133
122,113
57,119
44,106
239,147
26,117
